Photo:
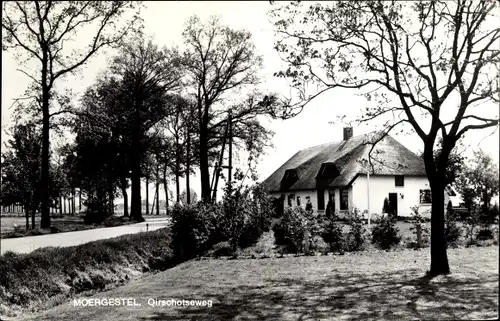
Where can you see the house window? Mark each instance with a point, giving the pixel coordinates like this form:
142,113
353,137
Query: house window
298,200
328,171
344,199
331,195
321,199
425,196
399,180
289,179
309,205
290,199
330,207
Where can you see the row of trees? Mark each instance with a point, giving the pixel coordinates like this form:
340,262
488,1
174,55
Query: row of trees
152,113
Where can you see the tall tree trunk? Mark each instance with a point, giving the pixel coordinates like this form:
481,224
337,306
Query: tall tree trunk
111,197
33,212
136,206
112,201
147,195
436,175
188,155
204,169
61,205
157,188
439,257
44,183
177,170
64,202
79,199
486,201
125,197
165,187
27,213
73,201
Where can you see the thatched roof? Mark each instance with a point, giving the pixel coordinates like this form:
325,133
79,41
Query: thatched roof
388,157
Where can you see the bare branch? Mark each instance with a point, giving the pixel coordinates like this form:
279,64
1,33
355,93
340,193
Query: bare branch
30,76
487,124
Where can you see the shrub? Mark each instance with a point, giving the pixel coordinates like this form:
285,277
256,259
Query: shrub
19,229
240,219
222,249
452,231
385,234
355,240
419,229
488,215
247,211
485,233
96,213
191,231
317,244
473,220
279,231
494,212
115,221
291,229
35,232
258,216
333,236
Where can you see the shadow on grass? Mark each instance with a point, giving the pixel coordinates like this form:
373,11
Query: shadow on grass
398,296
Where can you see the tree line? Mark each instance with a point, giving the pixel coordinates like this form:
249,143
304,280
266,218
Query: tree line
430,66
153,112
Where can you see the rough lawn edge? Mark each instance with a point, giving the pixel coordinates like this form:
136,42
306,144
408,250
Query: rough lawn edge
49,276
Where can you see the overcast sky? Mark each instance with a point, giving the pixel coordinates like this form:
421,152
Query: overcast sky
165,21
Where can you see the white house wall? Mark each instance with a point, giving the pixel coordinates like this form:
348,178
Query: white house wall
381,186
313,194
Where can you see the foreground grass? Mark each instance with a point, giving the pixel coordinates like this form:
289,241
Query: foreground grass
48,276
12,227
382,285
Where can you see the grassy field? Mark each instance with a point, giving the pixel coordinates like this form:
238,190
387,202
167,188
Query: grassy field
367,285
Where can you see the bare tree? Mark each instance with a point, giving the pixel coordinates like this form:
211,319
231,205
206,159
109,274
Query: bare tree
427,64
39,31
222,63
219,60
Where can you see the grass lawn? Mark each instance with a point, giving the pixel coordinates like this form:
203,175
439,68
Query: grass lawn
367,285
66,223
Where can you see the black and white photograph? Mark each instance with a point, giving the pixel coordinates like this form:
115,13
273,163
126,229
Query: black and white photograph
250,160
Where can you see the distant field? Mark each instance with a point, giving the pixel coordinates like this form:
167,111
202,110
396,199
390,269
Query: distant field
70,223
67,223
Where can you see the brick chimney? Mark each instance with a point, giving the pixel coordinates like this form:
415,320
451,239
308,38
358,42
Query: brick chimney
347,133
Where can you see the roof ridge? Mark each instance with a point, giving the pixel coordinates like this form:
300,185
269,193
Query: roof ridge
339,141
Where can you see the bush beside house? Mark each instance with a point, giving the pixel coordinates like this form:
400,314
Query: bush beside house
240,219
